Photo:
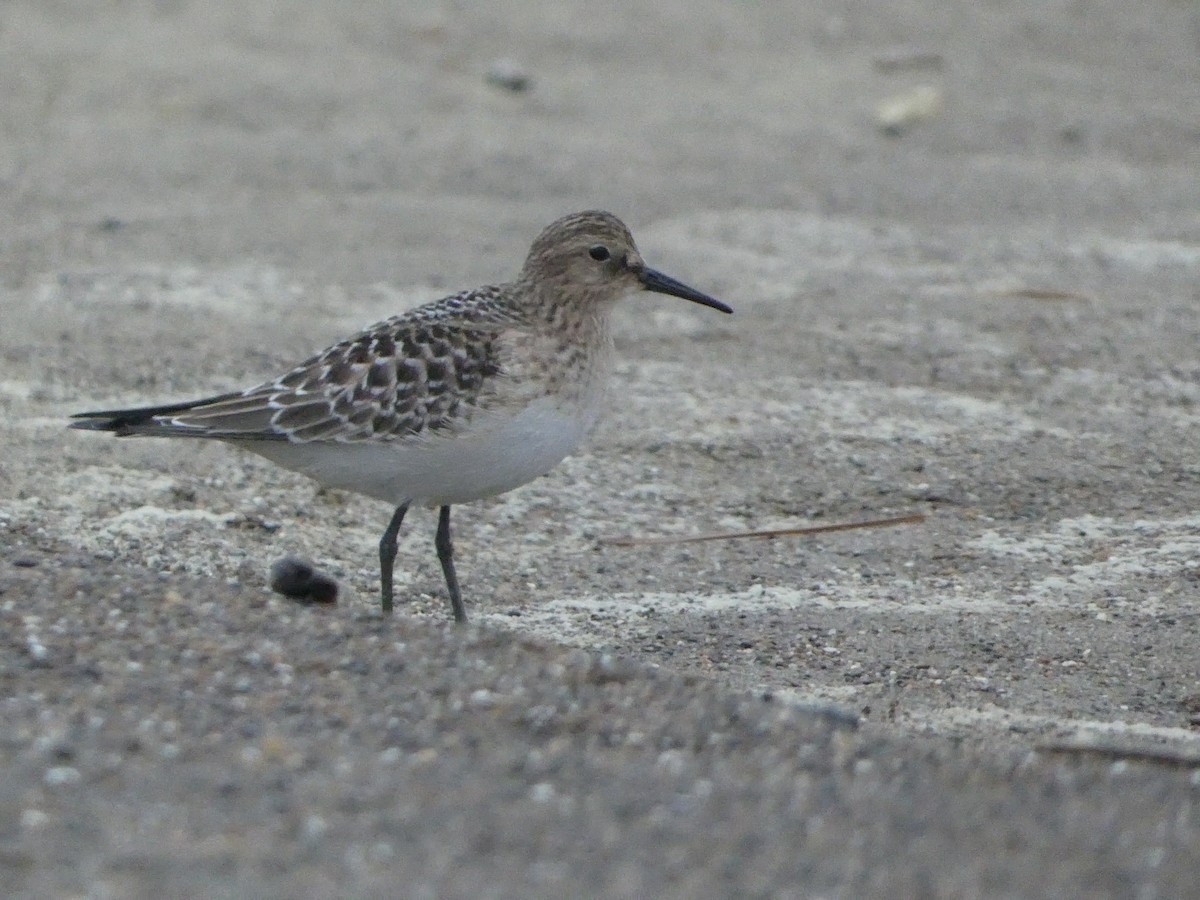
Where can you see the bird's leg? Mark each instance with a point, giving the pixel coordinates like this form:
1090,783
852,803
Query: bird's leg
387,556
445,552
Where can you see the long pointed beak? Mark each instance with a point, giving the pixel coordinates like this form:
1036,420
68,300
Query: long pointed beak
653,280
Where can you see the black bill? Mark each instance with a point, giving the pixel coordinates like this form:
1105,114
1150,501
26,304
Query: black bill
653,280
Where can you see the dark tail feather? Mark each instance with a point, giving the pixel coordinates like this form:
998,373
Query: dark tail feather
140,420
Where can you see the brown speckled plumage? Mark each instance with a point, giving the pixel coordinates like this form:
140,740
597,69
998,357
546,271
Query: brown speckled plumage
425,370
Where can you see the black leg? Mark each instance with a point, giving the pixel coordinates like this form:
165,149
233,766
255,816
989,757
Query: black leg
445,552
387,556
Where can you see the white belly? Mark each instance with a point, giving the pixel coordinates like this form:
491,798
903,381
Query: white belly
491,456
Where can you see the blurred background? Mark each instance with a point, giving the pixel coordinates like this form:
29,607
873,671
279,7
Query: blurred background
364,140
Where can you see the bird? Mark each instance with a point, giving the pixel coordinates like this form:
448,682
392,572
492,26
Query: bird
459,399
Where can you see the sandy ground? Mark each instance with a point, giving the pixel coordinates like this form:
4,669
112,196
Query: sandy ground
990,318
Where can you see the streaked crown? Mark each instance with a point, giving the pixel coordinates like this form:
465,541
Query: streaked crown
588,254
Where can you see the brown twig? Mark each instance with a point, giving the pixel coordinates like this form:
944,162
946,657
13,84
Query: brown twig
774,533
1167,756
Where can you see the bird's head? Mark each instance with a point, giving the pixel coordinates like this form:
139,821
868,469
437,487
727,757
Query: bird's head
591,256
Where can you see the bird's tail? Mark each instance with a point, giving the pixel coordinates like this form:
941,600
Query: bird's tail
140,420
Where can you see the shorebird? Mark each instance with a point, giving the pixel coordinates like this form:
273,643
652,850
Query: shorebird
460,399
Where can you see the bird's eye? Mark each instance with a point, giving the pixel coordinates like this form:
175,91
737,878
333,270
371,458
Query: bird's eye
599,253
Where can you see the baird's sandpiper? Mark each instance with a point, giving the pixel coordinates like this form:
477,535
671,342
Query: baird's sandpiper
462,398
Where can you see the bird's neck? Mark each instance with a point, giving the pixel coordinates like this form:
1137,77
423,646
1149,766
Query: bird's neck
578,337
583,319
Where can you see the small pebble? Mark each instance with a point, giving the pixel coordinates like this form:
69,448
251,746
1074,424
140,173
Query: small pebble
299,580
314,829
898,114
505,73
